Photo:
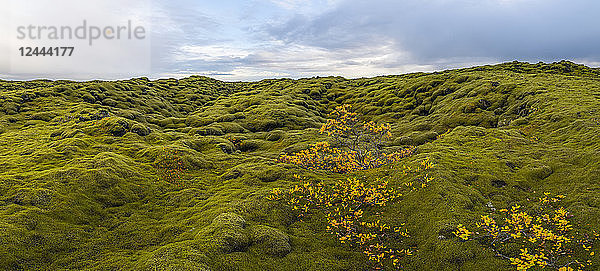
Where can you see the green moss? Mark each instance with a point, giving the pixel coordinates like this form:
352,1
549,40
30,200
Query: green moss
537,172
271,174
45,116
250,145
227,233
177,256
140,129
80,188
270,241
275,136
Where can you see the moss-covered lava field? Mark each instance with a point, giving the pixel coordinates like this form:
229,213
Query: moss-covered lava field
176,174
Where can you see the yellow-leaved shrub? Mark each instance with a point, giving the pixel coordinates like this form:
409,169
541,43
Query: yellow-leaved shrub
545,235
356,145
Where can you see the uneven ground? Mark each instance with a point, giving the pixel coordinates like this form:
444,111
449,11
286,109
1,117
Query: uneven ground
83,183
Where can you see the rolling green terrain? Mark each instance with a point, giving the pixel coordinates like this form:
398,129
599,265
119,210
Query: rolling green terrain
174,174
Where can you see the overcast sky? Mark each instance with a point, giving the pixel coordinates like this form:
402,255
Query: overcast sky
251,40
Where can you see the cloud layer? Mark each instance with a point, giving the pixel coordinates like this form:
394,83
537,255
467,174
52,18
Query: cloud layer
257,39
366,38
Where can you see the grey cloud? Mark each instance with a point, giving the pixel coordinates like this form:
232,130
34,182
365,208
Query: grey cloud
434,30
172,27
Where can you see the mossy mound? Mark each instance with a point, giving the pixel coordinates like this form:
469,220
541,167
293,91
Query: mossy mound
227,233
271,241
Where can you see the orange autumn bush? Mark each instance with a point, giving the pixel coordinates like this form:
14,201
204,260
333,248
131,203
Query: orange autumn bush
345,205
356,145
169,166
546,236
